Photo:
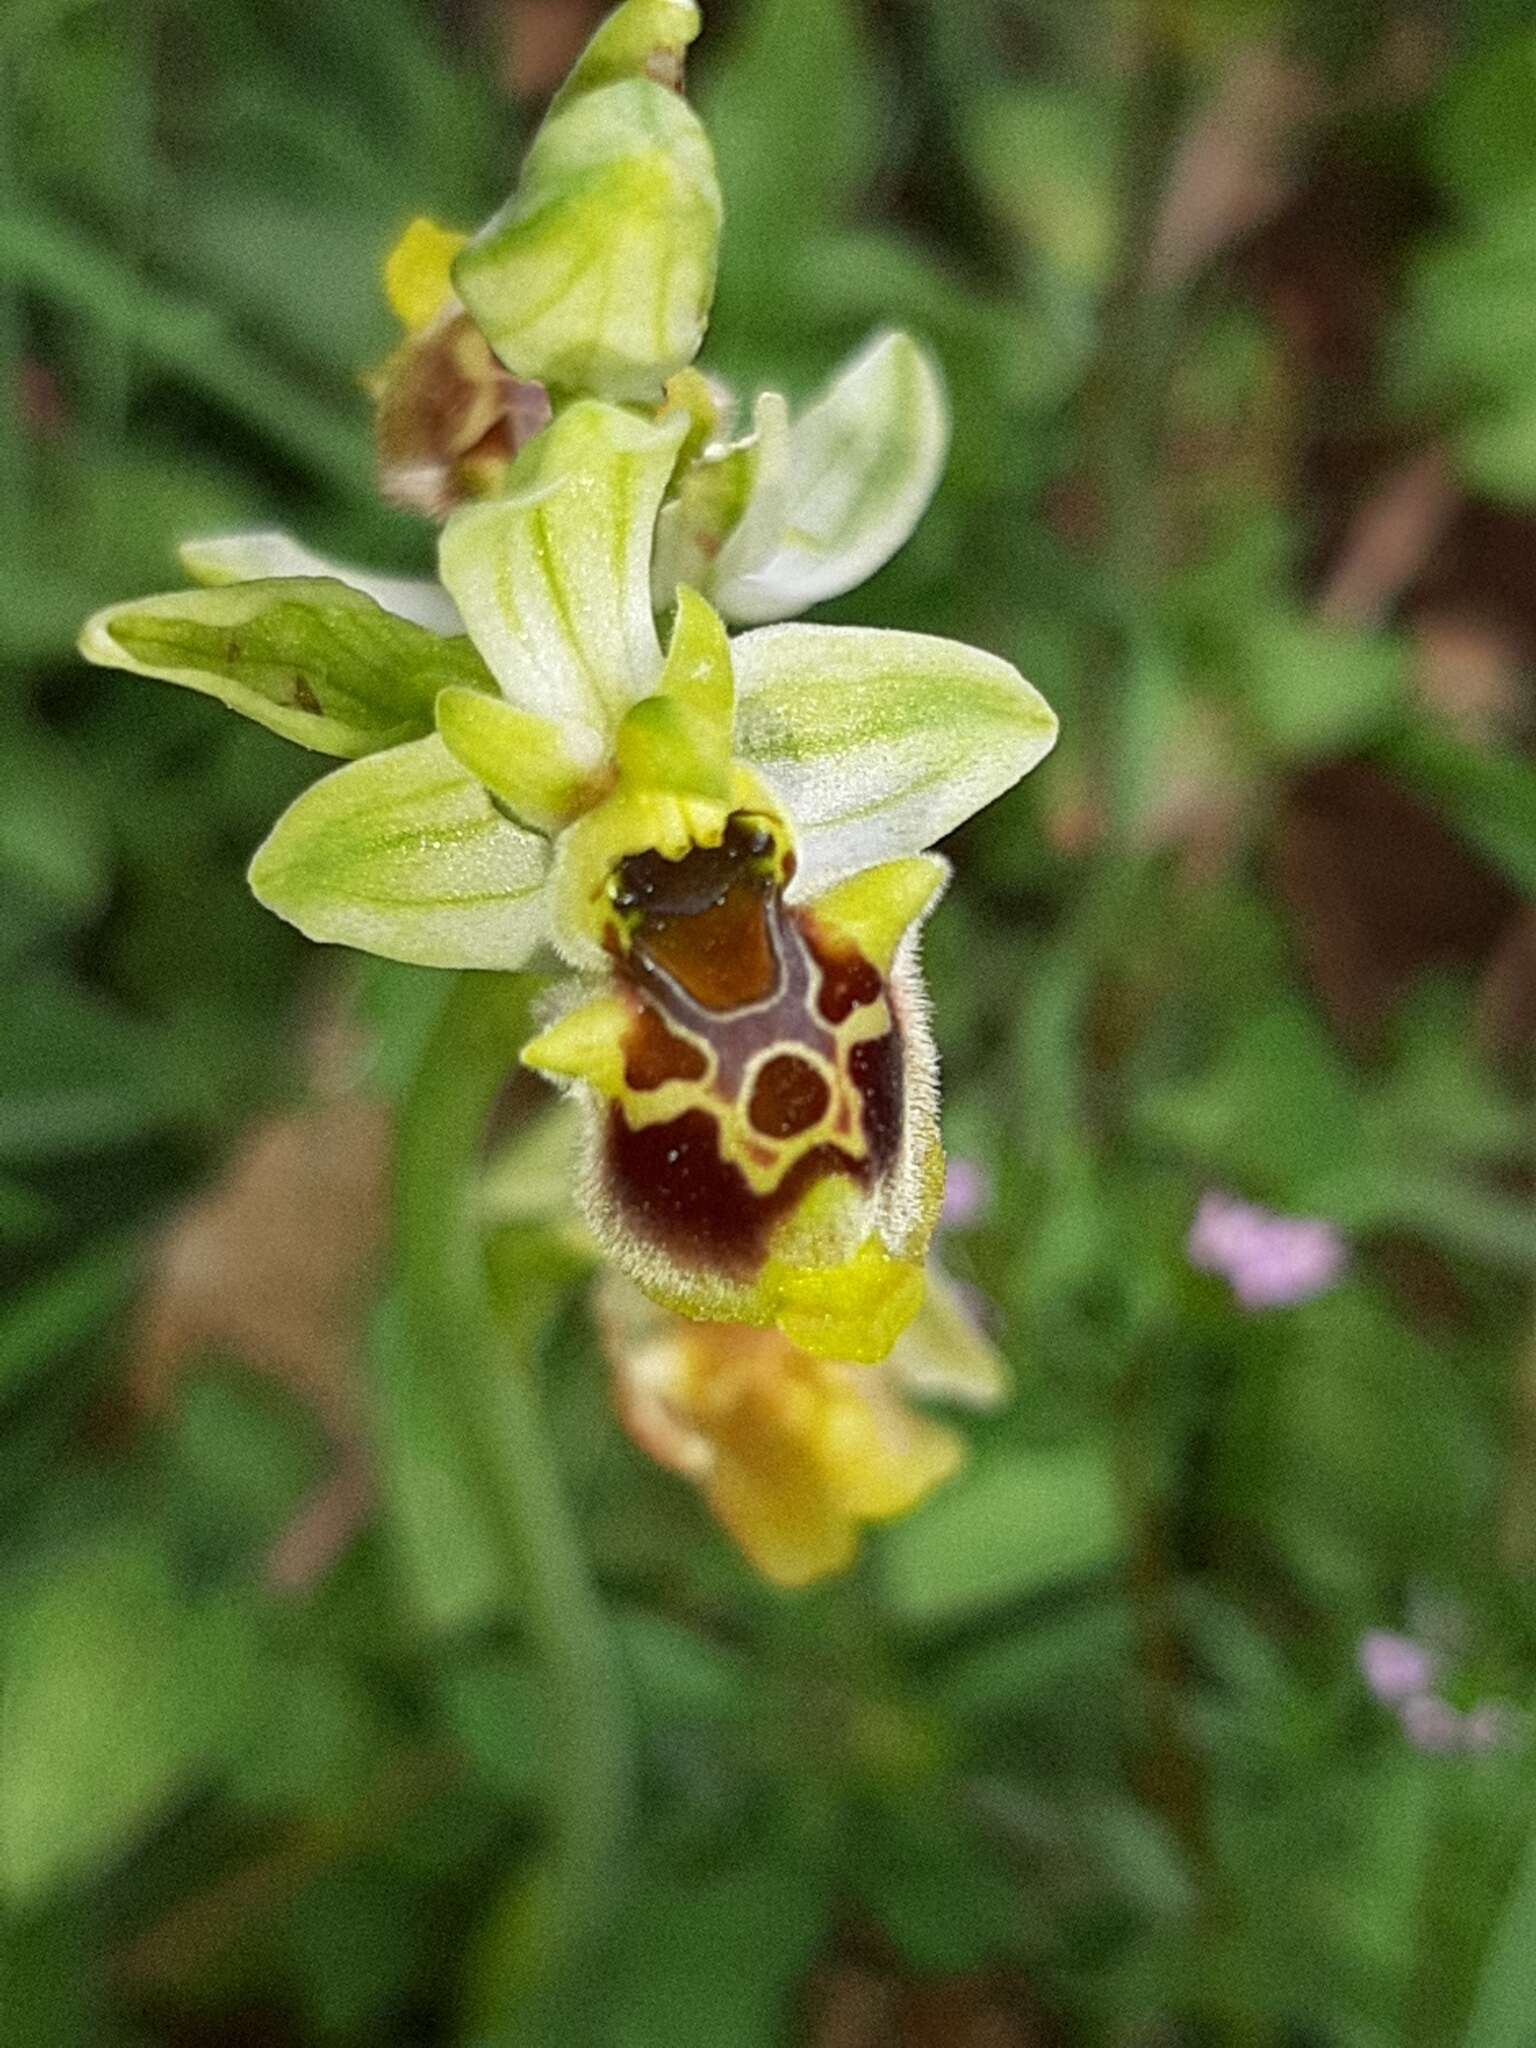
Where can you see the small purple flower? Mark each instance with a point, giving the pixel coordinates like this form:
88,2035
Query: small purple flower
1491,1725
1400,1672
1394,1667
1431,1724
967,1194
1269,1261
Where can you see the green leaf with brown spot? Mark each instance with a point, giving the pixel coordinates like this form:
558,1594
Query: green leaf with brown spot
308,657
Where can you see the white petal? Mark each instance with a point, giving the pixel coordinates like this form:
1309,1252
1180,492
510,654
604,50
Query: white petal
879,743
404,854
860,466
248,557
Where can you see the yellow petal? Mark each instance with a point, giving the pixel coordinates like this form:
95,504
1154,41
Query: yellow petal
417,272
876,909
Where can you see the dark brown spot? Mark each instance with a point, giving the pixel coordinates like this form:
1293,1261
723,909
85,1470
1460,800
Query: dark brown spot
875,1069
848,980
788,1096
652,1054
677,1192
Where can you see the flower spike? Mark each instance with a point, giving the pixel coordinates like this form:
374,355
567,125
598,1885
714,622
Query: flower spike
724,841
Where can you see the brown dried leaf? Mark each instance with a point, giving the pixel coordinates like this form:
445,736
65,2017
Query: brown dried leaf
270,1266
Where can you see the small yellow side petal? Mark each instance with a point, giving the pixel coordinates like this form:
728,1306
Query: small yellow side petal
584,1045
876,909
524,760
417,272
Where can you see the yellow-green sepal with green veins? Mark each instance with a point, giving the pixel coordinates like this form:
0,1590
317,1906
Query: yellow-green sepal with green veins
597,275
806,508
552,579
405,855
878,743
312,659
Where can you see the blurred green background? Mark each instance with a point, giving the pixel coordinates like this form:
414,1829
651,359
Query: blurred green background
1236,302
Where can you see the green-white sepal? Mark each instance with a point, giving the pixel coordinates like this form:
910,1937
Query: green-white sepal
249,557
553,579
310,658
802,511
406,855
597,274
878,743
942,1354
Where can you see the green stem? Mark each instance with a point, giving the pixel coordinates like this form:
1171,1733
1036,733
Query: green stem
453,1328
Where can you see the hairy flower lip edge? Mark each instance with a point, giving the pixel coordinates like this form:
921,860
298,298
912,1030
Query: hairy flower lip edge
899,1215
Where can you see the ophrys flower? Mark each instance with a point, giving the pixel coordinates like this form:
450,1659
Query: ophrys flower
724,840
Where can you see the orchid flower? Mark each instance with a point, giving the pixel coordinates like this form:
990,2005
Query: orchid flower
723,839
722,843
